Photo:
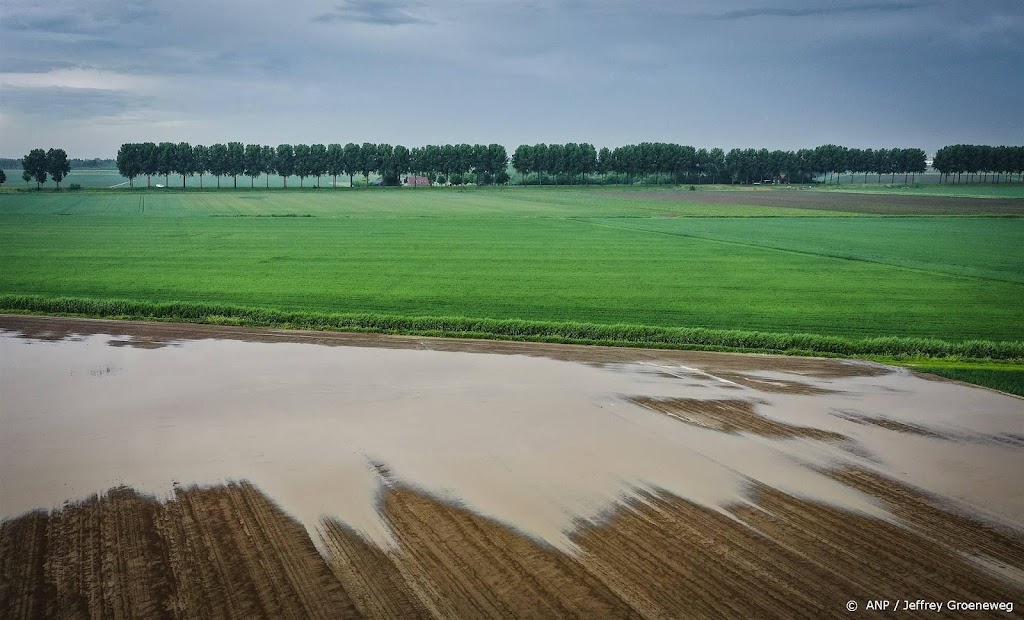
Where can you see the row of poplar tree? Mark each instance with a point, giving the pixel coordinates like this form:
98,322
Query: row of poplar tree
1002,162
659,162
445,163
571,163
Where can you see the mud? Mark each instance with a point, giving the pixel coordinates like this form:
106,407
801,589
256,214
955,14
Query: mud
229,472
893,425
875,204
730,416
228,552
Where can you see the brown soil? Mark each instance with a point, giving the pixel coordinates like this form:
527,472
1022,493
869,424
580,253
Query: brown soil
777,386
892,425
369,574
729,416
877,204
938,519
852,557
223,552
148,335
229,552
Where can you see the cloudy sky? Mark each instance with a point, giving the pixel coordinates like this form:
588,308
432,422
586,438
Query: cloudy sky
90,74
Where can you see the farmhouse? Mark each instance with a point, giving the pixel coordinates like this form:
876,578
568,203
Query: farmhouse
414,181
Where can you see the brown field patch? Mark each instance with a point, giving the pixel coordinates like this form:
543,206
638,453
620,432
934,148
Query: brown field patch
229,552
729,416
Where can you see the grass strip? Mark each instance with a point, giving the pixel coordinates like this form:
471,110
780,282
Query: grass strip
514,329
1009,380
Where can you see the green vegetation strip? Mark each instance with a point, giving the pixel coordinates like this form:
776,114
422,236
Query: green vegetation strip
510,329
1010,380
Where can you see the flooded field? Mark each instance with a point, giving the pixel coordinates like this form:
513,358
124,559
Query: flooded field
160,470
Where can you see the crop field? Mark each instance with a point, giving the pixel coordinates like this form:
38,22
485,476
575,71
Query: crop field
540,254
967,190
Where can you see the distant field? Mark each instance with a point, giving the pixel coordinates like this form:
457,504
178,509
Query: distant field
102,179
927,185
506,202
516,253
968,190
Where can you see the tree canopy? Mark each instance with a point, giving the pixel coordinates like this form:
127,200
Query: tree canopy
569,163
34,166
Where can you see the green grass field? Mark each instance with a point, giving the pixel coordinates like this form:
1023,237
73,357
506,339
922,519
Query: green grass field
537,254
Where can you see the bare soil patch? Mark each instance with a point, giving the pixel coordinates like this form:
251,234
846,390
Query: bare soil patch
228,552
730,416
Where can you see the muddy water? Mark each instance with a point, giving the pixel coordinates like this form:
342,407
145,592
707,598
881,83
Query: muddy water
534,442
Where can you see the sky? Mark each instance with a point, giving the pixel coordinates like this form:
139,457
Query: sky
88,75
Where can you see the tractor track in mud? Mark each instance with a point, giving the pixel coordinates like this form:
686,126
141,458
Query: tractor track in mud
228,551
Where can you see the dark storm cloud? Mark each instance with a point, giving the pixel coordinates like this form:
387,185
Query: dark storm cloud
809,11
68,103
32,65
91,18
781,74
380,12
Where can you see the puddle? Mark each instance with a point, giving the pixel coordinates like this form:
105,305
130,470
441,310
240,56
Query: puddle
537,443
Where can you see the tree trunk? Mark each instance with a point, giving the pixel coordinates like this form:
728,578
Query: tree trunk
182,181
236,181
350,184
218,181
200,181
